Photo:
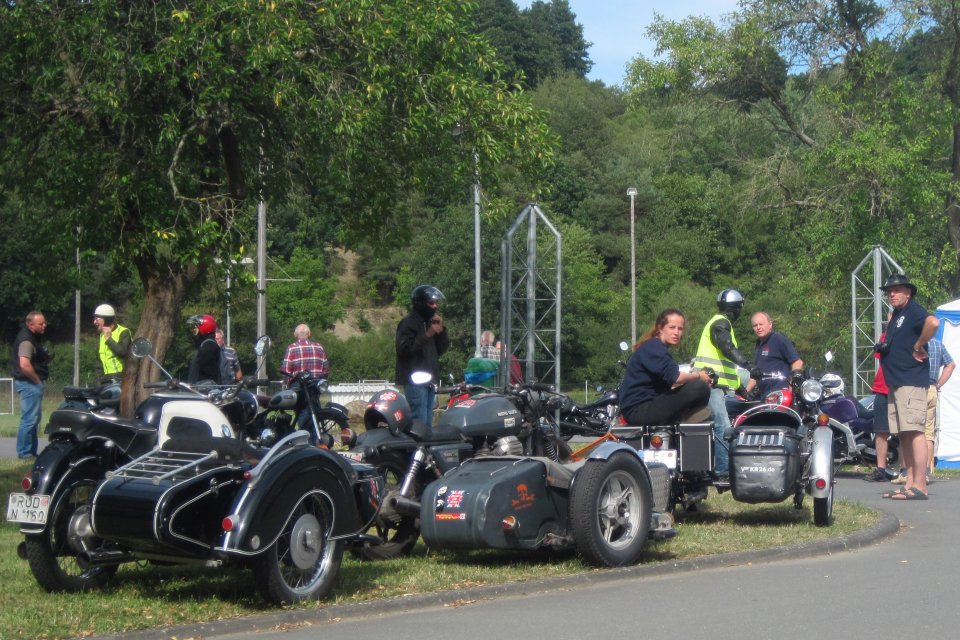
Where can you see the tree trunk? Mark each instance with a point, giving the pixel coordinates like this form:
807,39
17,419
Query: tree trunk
158,323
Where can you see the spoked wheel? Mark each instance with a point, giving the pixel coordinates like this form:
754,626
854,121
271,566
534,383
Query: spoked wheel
823,509
303,563
610,510
52,555
398,532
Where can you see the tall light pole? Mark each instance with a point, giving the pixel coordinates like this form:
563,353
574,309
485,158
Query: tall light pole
632,192
476,249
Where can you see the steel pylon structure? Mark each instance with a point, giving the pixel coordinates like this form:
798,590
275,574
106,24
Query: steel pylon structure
869,314
530,297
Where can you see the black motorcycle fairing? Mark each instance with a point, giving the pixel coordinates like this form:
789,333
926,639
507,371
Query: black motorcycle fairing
84,425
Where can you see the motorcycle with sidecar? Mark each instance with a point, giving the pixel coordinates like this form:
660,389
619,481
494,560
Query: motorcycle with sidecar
779,449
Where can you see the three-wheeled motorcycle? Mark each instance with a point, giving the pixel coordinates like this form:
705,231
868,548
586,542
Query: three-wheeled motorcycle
779,449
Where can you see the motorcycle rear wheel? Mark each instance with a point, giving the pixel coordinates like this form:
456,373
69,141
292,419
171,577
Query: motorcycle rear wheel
610,510
52,555
398,532
303,562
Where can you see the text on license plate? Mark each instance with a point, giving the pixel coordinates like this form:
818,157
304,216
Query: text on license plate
28,509
664,456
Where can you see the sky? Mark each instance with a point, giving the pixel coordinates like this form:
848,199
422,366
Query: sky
617,28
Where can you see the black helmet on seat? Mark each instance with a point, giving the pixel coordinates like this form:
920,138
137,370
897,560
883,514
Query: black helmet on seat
387,408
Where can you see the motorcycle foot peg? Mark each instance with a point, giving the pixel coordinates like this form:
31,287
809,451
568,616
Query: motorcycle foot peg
406,506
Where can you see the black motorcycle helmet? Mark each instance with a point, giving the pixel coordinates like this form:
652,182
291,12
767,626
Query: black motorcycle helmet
423,295
730,303
387,408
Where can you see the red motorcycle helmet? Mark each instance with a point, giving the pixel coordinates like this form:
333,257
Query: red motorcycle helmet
203,323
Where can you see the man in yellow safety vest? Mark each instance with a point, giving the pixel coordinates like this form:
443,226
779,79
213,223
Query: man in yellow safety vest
114,342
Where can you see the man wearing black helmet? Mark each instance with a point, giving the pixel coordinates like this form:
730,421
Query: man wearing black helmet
421,340
205,365
903,357
718,351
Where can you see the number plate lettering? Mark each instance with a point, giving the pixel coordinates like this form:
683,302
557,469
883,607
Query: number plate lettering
27,509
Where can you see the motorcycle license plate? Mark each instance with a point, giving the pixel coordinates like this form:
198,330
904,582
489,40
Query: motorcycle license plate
27,509
664,456
352,455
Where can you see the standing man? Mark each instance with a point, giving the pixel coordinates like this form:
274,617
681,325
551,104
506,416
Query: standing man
29,364
304,355
941,368
231,361
114,342
774,354
421,340
903,356
718,351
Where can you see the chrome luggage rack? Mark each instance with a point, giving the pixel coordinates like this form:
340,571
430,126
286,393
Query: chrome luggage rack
159,465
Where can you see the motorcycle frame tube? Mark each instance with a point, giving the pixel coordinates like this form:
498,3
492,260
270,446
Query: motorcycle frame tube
821,461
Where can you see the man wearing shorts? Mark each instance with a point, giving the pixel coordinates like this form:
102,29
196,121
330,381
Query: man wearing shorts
903,357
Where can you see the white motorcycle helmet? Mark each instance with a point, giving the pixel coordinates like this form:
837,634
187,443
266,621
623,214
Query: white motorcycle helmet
832,385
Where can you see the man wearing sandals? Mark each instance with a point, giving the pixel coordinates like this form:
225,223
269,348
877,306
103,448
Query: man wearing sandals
903,357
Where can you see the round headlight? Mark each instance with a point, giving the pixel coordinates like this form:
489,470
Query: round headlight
811,390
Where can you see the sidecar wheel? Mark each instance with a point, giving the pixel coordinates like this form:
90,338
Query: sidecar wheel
52,555
823,510
398,532
610,510
303,563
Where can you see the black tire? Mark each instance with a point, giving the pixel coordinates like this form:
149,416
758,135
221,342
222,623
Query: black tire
823,510
398,532
52,555
303,562
610,510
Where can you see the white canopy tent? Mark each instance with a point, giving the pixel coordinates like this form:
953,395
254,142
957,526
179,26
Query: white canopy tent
948,447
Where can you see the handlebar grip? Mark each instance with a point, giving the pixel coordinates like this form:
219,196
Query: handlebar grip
448,390
155,385
256,383
539,386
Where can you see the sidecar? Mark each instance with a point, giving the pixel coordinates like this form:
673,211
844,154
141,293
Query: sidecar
285,512
605,506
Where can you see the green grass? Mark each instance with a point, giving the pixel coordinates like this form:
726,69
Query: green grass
145,596
10,422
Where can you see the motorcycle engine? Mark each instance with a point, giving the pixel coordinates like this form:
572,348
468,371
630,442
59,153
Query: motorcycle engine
507,446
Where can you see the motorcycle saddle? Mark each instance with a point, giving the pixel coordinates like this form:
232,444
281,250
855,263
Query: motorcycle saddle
439,433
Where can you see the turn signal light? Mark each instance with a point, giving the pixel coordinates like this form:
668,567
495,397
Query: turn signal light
229,523
656,441
820,483
509,523
823,419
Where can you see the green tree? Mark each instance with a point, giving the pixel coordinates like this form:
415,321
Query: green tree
151,126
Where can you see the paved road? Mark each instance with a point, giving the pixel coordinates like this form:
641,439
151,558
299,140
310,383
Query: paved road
865,593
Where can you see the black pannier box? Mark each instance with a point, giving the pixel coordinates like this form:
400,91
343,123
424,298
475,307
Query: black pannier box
467,508
695,447
764,464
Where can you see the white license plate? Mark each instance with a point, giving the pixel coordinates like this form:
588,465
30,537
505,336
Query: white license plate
352,455
664,456
27,509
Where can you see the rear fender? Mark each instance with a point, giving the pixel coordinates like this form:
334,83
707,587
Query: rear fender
59,466
263,506
821,461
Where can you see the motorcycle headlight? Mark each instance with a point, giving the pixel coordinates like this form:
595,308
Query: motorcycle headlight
811,390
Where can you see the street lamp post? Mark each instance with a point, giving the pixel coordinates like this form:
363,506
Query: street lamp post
632,192
476,250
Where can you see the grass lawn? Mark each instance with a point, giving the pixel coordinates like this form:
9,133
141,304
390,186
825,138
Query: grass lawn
146,596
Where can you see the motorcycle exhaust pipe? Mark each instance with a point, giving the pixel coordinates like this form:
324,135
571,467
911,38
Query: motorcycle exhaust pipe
104,558
406,506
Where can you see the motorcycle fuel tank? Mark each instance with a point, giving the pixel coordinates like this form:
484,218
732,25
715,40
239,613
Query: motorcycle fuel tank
483,415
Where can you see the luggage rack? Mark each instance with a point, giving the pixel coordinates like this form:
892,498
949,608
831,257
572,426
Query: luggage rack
159,465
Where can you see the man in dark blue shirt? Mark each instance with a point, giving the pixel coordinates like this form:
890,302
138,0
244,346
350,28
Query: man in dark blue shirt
903,357
774,355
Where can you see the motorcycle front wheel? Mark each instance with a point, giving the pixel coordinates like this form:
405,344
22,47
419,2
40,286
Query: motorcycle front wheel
610,510
303,562
823,510
398,532
52,555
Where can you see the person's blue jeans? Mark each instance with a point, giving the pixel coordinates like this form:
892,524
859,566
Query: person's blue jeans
31,400
421,399
718,410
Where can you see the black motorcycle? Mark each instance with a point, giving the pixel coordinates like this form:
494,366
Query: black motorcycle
410,455
301,405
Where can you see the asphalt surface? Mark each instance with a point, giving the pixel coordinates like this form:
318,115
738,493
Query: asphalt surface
865,585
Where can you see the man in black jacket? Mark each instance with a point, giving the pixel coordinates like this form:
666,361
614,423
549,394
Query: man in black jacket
421,340
29,360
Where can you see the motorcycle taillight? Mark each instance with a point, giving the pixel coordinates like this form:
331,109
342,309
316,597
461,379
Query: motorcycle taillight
656,441
27,482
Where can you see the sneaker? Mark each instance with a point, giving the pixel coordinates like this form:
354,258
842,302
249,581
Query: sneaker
900,479
878,475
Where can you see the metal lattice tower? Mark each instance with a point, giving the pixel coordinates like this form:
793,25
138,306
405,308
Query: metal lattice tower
869,314
530,297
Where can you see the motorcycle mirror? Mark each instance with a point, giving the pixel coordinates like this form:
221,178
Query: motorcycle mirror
262,346
624,346
141,347
421,377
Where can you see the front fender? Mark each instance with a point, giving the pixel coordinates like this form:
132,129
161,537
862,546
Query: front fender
821,462
263,507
